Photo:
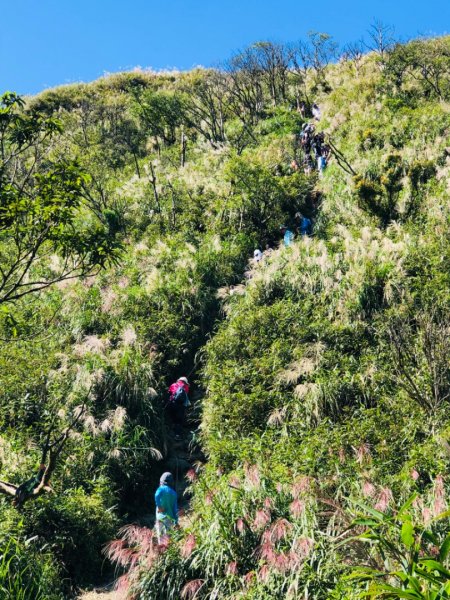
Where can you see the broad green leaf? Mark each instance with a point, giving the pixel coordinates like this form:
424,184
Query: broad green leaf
398,592
407,534
435,566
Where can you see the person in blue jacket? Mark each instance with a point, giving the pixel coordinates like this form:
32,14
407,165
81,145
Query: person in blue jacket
166,506
304,225
321,164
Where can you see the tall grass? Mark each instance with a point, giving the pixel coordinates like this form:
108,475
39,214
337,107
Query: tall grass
23,576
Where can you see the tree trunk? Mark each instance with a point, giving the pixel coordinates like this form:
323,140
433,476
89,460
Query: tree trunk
183,148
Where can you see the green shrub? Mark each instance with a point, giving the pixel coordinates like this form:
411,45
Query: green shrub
75,526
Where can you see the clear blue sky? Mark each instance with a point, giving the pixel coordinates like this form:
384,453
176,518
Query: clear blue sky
49,42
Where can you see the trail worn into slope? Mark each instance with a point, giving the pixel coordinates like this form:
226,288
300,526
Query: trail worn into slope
106,594
185,455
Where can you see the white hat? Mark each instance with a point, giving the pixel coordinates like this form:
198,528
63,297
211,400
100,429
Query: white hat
183,379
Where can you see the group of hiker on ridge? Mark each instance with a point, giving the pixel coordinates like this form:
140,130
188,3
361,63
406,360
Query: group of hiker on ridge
312,144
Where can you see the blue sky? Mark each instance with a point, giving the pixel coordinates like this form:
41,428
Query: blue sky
49,42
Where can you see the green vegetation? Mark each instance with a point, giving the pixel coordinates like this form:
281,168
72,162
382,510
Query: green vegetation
129,208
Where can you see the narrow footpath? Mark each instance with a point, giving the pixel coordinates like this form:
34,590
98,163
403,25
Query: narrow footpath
186,453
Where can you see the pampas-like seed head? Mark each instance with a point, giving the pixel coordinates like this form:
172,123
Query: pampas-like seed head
191,589
188,546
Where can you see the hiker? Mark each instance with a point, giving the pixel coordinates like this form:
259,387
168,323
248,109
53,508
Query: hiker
177,404
305,142
288,236
302,108
308,165
304,225
257,256
294,166
166,506
306,136
316,112
317,144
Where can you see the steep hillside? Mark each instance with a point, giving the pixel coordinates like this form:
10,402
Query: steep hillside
322,371
327,383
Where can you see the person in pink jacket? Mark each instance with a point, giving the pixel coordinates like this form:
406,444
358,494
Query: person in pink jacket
177,403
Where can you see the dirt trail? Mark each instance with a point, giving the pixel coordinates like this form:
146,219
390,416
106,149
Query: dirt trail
99,595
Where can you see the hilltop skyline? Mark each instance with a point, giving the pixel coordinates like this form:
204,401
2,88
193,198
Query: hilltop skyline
52,44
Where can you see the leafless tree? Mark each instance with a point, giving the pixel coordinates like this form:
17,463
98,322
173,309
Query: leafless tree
273,60
381,38
312,56
205,106
245,86
354,52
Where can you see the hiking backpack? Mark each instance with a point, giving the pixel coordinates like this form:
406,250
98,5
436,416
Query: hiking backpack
179,396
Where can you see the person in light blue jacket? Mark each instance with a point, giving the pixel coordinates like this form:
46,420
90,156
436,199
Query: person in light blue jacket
166,506
288,236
